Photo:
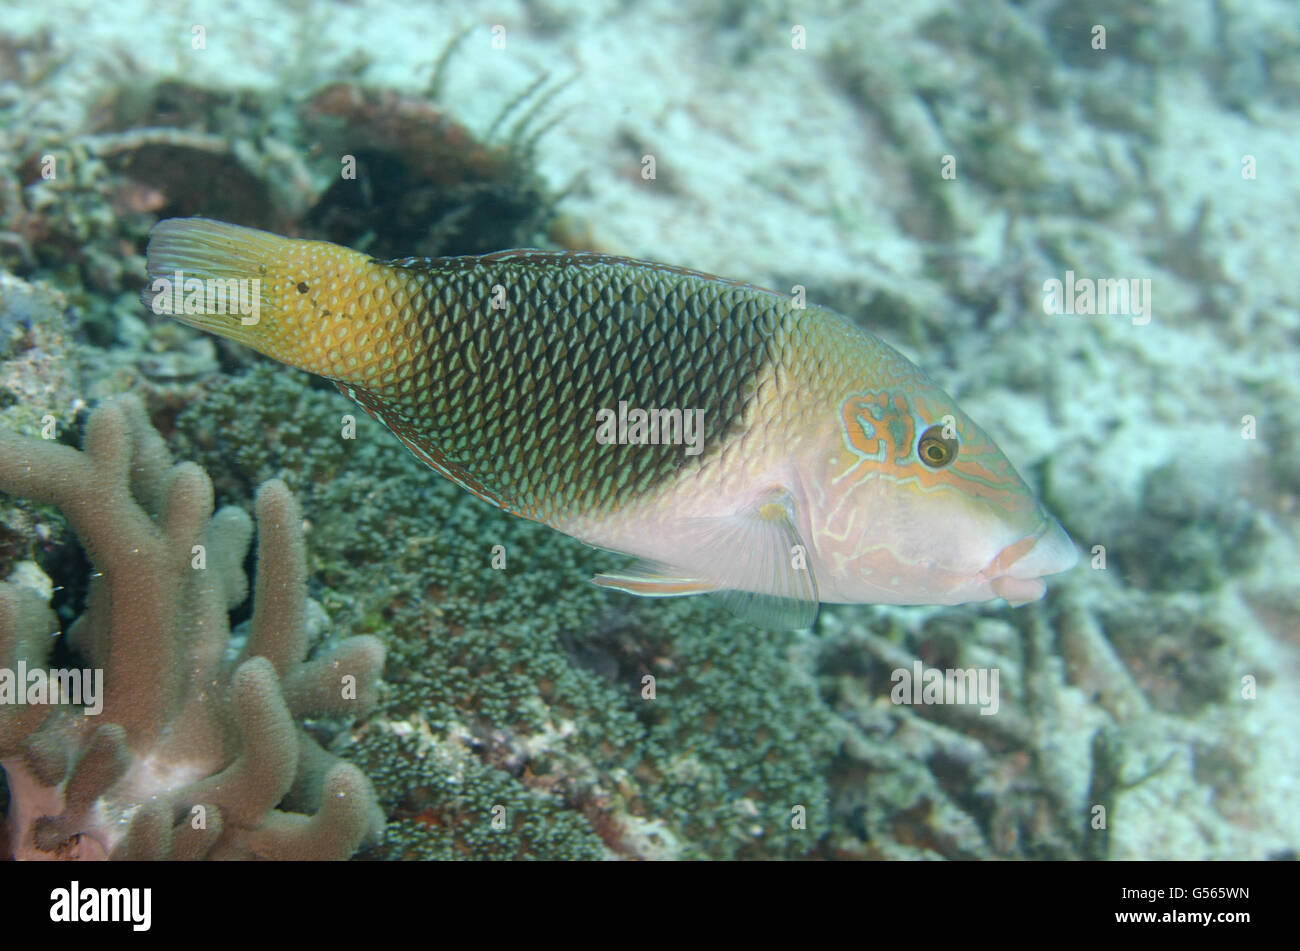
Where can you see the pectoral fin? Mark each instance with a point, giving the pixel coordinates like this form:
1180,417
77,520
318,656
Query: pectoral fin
756,563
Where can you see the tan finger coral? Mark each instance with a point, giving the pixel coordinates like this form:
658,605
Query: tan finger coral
197,751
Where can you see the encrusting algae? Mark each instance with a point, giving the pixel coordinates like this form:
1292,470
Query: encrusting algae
734,439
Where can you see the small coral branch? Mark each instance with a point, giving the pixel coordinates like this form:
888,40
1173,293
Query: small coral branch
197,752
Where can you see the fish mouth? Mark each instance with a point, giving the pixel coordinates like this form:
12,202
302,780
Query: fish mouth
1016,573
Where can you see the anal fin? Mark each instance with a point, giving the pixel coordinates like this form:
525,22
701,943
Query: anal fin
648,580
420,446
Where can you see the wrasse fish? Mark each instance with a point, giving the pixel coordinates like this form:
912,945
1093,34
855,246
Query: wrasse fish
824,466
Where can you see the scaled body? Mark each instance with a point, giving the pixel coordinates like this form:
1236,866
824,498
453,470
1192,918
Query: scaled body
734,442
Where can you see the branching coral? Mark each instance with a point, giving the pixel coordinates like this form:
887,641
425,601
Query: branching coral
196,752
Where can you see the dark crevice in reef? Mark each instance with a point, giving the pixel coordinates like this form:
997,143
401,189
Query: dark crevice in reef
382,171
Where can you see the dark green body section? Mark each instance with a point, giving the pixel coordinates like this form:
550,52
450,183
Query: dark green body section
506,398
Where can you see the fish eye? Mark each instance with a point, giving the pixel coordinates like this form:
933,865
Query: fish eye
935,449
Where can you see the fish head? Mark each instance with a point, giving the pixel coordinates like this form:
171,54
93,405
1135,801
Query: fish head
915,504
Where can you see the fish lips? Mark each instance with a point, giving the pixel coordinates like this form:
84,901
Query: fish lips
1017,573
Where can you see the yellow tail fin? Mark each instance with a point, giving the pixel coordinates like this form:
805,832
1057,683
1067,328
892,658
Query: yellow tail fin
214,276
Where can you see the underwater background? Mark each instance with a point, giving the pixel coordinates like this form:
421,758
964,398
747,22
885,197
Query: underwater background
924,167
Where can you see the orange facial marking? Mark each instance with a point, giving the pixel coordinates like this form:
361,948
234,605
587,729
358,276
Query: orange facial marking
881,428
876,424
